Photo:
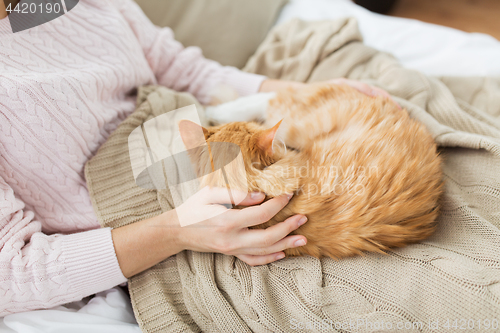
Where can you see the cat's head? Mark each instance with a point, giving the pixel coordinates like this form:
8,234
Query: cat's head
225,142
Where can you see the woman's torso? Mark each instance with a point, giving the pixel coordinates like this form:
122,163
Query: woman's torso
64,87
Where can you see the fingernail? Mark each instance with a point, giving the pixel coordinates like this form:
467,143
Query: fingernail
300,242
302,220
289,196
256,195
280,256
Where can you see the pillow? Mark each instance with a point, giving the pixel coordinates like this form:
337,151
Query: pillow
227,31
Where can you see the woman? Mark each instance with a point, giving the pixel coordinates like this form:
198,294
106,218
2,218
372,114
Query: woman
64,87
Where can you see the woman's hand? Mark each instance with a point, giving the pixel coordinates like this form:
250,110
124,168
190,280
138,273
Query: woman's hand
227,230
361,87
274,85
141,245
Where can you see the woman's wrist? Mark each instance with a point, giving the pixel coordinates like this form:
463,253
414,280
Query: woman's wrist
141,245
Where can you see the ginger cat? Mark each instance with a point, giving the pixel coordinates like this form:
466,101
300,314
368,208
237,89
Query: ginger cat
365,174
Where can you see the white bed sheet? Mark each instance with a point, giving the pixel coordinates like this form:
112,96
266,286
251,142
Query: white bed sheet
108,312
431,49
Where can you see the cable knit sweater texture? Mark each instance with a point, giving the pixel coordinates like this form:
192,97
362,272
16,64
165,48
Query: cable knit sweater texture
64,87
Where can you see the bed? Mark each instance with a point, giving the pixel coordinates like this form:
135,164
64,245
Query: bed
431,49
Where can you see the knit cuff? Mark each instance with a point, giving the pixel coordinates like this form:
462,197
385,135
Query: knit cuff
90,261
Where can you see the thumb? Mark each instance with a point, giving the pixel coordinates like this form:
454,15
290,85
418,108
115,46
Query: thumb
222,195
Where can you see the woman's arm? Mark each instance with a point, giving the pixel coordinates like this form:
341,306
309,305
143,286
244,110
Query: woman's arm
40,271
185,69
141,245
179,68
274,85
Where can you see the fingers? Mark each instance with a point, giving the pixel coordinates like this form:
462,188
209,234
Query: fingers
221,195
259,214
289,242
263,256
252,198
365,88
362,87
273,239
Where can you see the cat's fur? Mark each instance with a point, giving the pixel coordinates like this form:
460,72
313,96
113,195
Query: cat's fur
365,174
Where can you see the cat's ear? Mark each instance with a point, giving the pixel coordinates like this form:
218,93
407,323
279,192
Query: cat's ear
266,138
192,134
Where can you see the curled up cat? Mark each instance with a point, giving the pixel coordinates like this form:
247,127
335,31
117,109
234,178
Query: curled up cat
366,175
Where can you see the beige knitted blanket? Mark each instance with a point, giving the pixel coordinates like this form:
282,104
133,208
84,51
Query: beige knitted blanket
450,281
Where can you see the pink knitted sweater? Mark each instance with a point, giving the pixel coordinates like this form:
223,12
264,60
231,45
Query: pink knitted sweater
64,87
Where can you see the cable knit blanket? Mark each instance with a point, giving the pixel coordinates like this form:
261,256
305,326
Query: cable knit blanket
448,282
